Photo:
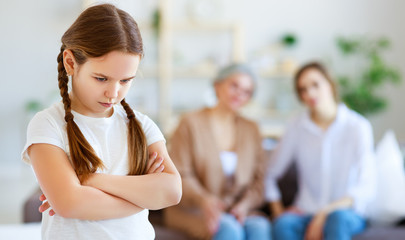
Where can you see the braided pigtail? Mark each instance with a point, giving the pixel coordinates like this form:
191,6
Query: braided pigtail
83,157
137,146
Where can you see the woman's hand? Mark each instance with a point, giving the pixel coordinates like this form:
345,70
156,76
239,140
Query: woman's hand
294,210
277,209
240,211
315,227
212,209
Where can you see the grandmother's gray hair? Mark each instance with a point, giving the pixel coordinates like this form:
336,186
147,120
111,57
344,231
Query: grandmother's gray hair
234,69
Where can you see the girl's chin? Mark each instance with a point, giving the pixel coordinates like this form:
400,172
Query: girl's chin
234,108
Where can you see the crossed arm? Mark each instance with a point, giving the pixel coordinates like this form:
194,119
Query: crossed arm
92,200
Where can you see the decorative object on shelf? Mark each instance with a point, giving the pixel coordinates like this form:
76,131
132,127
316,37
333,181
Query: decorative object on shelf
289,40
360,92
156,19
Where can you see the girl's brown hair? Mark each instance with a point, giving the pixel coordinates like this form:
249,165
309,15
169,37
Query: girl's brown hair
97,31
320,68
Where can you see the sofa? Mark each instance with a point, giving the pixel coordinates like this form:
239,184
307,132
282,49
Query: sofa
288,188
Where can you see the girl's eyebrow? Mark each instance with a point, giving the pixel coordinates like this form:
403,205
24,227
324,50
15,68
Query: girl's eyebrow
105,76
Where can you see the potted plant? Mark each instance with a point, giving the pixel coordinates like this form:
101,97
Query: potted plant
361,92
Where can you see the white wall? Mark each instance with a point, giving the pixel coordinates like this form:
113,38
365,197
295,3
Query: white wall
317,23
31,31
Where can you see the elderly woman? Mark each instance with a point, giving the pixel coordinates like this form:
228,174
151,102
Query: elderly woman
219,156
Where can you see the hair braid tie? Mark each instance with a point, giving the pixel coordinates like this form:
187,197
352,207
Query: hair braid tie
68,116
131,115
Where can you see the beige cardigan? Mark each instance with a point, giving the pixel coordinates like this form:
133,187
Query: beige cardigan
196,156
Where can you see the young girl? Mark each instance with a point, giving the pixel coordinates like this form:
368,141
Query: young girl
90,151
332,147
219,155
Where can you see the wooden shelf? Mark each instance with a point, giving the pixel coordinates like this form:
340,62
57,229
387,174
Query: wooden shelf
191,72
207,26
207,72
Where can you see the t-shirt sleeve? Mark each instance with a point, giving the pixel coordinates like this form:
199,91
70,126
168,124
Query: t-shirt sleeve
42,129
151,130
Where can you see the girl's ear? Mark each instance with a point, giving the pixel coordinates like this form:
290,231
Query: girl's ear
69,61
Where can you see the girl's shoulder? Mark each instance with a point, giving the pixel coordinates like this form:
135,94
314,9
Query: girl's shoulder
149,127
54,115
141,117
352,118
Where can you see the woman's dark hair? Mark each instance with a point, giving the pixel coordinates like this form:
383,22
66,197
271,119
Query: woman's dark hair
97,31
320,68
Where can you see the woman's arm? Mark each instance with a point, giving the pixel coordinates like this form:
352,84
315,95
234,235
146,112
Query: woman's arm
362,181
151,191
316,226
252,197
183,151
64,192
345,202
280,160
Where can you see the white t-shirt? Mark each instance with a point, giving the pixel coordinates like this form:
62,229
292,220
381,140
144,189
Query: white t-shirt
108,137
331,164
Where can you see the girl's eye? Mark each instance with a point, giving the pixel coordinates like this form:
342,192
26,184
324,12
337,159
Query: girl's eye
126,81
101,79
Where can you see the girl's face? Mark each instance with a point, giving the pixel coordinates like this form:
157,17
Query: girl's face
314,89
234,91
101,82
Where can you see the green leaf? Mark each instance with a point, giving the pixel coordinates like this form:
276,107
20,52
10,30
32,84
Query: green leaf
360,94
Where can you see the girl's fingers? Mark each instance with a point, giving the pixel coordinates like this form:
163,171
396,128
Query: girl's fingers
51,212
42,197
160,169
152,158
156,166
44,207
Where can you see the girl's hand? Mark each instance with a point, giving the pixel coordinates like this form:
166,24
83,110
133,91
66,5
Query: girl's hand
45,206
315,228
212,209
155,163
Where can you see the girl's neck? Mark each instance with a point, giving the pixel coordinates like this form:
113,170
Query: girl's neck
325,116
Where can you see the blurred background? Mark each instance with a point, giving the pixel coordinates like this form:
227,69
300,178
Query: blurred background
186,41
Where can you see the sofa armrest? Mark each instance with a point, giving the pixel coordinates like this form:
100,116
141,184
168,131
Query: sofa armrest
31,205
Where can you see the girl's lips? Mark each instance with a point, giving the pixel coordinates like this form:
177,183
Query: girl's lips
107,105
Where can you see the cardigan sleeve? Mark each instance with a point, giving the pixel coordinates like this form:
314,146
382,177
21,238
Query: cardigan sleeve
254,193
181,151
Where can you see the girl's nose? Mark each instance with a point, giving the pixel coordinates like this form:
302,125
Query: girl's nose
112,91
